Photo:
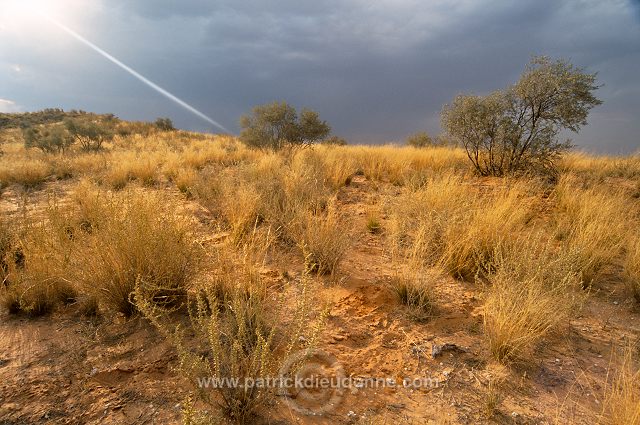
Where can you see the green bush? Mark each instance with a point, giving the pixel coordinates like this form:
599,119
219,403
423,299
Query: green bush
276,125
516,130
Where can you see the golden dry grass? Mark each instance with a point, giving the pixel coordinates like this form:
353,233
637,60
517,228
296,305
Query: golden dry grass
136,236
532,292
593,223
38,277
621,404
632,266
126,227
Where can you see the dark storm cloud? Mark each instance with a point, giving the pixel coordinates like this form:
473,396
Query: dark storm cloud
376,71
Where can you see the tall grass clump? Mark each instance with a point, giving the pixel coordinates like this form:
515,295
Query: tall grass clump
40,264
493,223
632,267
593,223
6,243
621,404
8,297
136,236
451,224
273,192
323,239
532,291
419,218
29,174
416,291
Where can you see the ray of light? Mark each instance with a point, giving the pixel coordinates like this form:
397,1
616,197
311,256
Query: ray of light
133,72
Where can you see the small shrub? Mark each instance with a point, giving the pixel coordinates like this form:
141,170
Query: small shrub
238,326
373,223
91,135
417,293
277,125
420,140
334,141
164,124
53,138
515,130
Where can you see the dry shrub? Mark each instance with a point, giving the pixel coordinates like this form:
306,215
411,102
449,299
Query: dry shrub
137,236
532,291
592,223
240,324
632,267
621,404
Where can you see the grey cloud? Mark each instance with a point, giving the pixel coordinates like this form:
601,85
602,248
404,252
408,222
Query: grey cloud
376,71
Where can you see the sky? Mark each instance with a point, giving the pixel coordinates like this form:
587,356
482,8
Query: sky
377,71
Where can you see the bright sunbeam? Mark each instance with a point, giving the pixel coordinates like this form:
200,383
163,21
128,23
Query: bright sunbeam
20,14
17,12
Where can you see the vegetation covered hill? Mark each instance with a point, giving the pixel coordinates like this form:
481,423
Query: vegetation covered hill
47,116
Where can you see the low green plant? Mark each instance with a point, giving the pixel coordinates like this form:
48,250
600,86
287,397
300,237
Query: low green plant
243,333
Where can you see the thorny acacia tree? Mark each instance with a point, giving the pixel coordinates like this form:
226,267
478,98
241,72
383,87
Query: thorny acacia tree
516,130
276,125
